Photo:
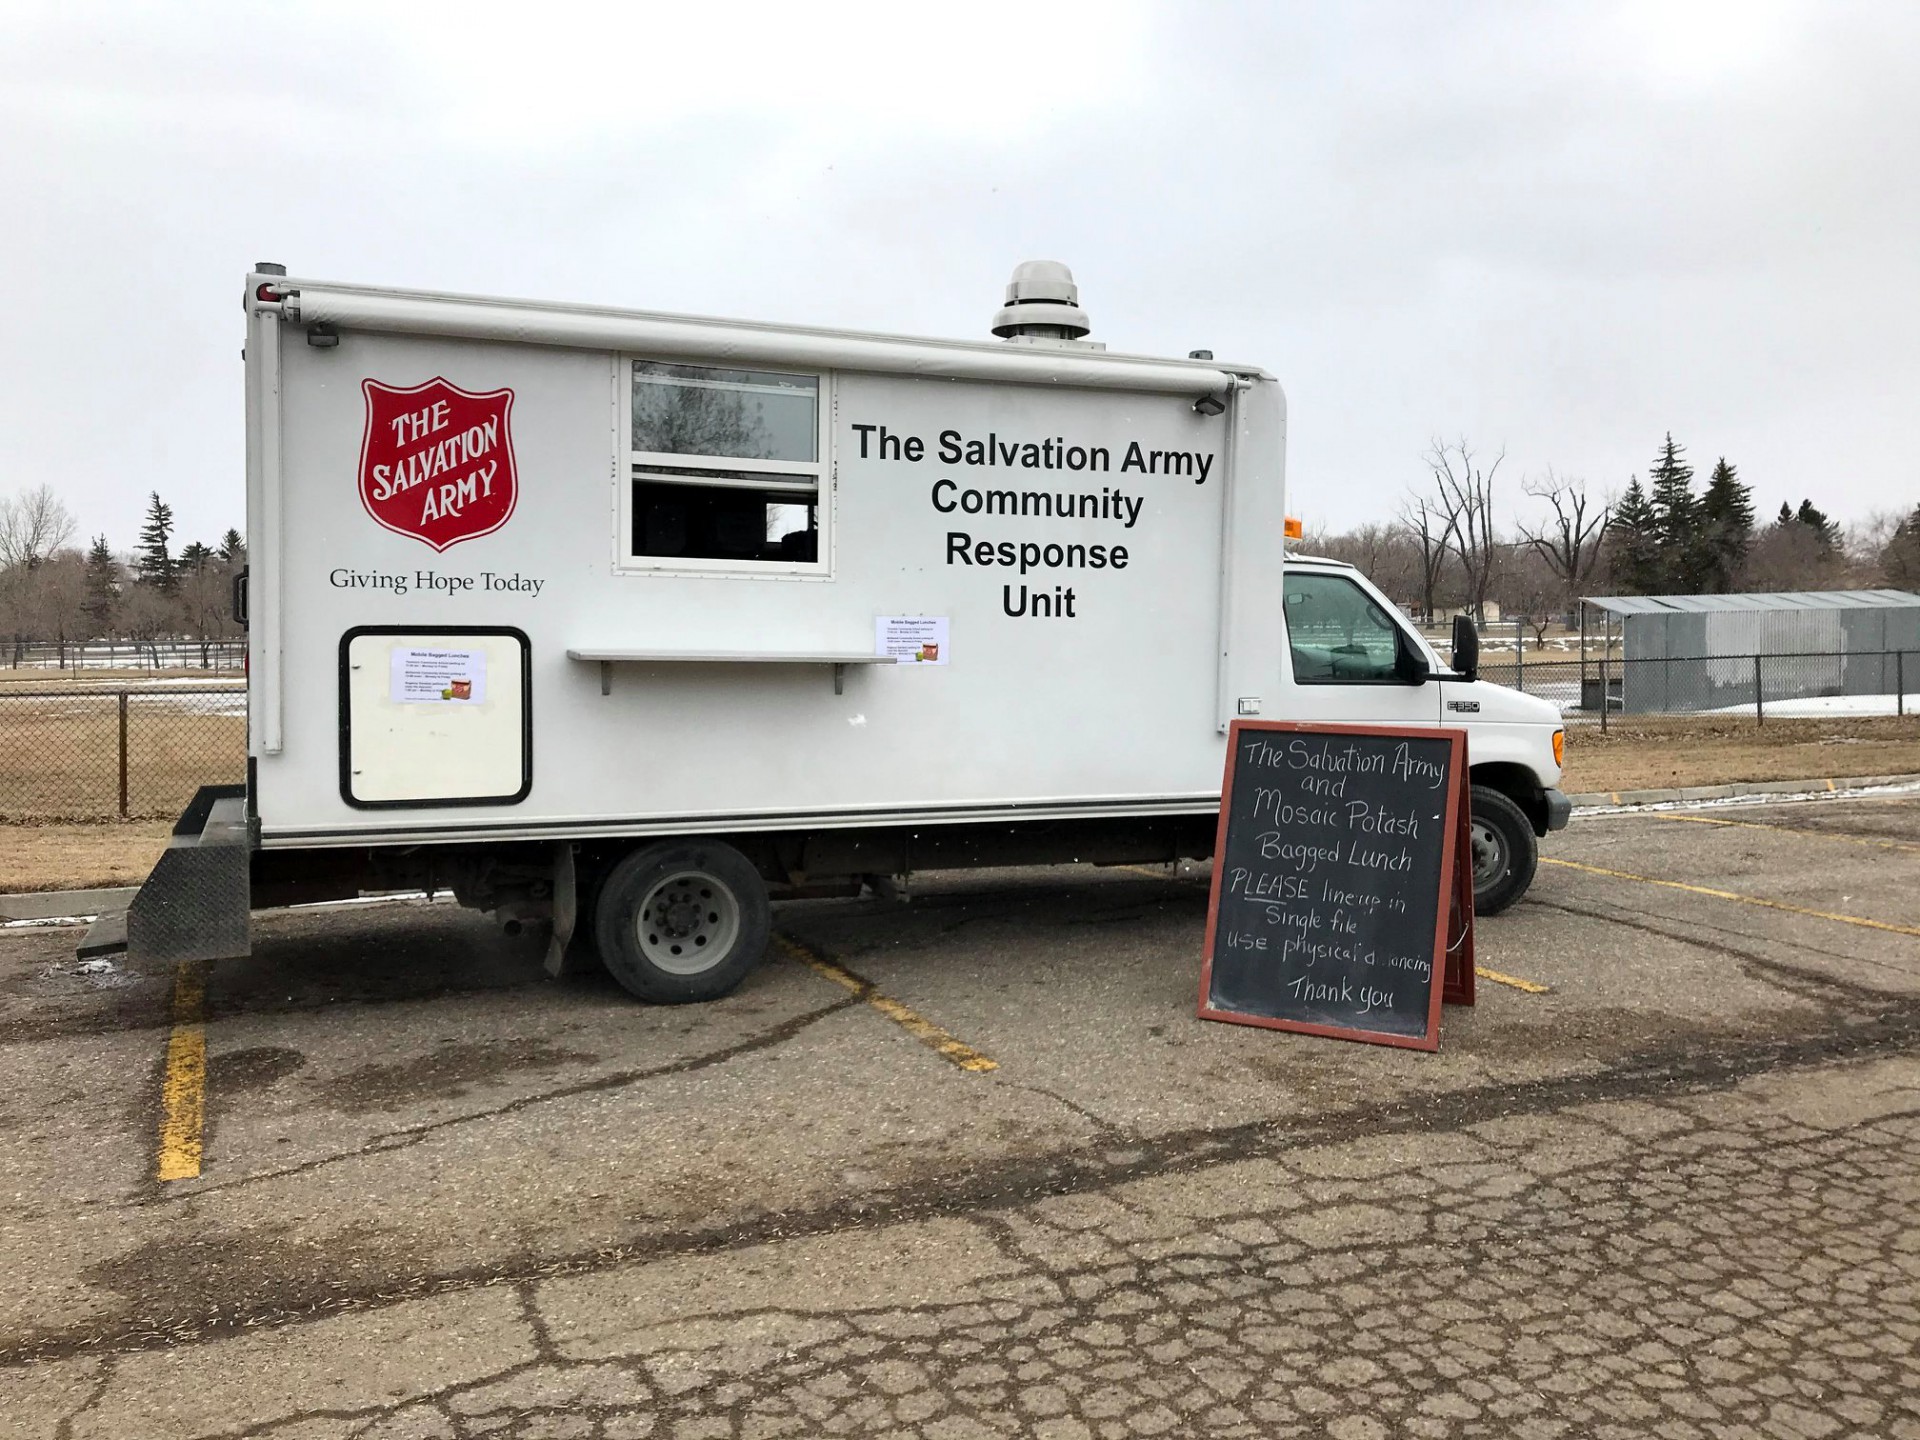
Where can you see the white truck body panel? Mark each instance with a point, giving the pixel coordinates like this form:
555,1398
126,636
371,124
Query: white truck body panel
701,696
1119,709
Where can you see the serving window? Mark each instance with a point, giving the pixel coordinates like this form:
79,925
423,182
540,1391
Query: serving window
724,470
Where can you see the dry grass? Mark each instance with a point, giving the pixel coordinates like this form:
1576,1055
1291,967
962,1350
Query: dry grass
79,857
1656,753
59,755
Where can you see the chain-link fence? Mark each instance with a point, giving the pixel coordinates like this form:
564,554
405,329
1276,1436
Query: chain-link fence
1601,686
227,656
99,753
140,752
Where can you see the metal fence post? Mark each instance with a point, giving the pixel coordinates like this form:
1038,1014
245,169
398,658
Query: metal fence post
1520,656
1759,704
123,754
1900,682
1606,700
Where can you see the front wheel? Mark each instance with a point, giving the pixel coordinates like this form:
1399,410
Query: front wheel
678,923
1505,853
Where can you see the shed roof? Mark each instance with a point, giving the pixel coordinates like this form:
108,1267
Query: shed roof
1784,600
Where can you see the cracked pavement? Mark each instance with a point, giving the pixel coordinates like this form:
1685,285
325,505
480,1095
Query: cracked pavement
1675,1195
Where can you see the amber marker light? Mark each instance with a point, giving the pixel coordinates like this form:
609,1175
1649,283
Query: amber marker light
1560,747
1294,530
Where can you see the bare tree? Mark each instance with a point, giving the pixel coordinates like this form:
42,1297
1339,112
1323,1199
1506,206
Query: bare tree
1526,588
58,599
1571,539
205,605
1383,553
1430,529
1464,490
1865,543
146,614
1792,557
33,525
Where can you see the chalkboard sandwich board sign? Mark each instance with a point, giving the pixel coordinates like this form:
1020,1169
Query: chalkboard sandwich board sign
1333,875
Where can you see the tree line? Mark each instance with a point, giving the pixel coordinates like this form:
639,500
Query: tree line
1444,552
53,592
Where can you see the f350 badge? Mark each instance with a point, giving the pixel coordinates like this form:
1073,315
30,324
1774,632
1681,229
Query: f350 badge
436,461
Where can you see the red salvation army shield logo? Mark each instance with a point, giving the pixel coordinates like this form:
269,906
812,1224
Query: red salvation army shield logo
436,461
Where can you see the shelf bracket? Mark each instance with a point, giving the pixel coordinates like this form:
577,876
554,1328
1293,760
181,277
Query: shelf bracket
606,677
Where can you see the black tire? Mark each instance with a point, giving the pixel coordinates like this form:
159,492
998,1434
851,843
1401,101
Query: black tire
706,917
1504,852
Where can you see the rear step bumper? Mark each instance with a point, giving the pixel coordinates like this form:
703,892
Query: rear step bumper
198,902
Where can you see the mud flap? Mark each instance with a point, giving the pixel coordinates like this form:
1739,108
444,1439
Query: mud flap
563,957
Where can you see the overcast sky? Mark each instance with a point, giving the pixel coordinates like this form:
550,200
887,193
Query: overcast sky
1559,229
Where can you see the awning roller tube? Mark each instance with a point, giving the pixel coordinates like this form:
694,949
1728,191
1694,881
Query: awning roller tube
723,341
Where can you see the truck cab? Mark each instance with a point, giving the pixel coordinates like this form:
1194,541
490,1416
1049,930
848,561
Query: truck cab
1352,657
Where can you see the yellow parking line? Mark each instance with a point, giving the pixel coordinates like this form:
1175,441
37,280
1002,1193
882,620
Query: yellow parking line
1532,987
183,1088
940,1041
1789,830
1733,895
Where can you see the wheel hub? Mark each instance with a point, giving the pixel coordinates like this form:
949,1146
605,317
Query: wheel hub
1489,853
688,923
680,918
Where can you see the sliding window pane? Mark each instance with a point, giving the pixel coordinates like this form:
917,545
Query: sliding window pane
734,414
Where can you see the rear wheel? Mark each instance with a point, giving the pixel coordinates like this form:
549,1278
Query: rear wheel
682,922
1505,853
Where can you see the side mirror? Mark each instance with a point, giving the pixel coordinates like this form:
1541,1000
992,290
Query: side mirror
1466,647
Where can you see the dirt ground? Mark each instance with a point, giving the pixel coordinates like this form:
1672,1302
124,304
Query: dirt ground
1650,753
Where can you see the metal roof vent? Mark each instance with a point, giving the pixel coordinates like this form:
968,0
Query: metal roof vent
1043,303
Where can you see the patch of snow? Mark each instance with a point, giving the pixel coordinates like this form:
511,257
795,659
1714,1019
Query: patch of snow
1817,706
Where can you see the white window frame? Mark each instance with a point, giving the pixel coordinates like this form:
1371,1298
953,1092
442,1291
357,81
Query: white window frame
634,464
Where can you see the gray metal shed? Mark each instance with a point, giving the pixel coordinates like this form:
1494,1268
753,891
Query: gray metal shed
1708,652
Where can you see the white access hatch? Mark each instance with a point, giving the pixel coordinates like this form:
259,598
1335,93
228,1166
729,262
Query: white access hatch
434,717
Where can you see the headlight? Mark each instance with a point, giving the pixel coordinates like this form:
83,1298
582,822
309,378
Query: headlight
1560,747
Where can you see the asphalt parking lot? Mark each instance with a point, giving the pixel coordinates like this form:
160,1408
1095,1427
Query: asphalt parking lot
968,1165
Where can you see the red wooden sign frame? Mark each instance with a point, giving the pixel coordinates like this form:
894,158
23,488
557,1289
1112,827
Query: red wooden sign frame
1451,848
1460,971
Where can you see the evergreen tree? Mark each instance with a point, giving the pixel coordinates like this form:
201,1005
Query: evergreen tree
233,549
103,587
1726,527
1817,521
152,561
1785,517
1900,561
1676,519
1633,543
195,558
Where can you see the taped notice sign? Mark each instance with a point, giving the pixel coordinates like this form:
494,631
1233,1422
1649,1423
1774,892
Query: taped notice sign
438,677
911,639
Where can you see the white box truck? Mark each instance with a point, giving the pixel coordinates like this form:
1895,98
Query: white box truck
628,621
